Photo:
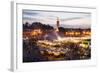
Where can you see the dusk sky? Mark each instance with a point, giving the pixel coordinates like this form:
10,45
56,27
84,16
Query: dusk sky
67,19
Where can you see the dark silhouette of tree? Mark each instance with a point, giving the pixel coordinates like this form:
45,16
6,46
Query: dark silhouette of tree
62,29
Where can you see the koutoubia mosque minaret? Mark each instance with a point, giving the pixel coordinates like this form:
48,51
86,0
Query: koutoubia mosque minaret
57,21
57,24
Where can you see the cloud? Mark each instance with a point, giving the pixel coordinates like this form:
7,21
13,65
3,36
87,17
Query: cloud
26,12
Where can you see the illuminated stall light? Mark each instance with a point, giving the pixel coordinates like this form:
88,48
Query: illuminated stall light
77,33
36,32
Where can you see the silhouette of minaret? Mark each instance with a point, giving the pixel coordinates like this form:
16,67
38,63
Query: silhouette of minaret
57,24
57,21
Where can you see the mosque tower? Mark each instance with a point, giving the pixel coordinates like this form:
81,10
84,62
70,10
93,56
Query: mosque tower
57,24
